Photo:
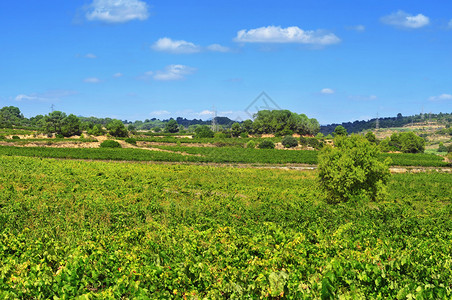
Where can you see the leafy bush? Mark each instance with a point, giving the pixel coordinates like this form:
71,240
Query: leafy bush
157,129
303,141
351,168
15,137
131,141
117,128
442,148
266,144
244,135
289,141
97,130
314,143
204,132
221,135
251,144
2,137
370,136
59,136
110,144
449,148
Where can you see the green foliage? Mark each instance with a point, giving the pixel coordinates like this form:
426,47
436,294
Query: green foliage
204,131
157,129
329,137
116,128
351,168
407,142
284,122
370,136
340,131
236,130
110,144
449,148
15,137
71,126
266,144
96,130
442,148
2,137
59,136
314,143
251,144
289,141
172,126
98,230
131,141
320,136
244,135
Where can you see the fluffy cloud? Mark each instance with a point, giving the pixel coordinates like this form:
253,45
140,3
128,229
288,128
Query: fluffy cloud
178,47
327,91
173,72
441,97
117,11
183,47
92,80
90,55
403,19
159,113
294,34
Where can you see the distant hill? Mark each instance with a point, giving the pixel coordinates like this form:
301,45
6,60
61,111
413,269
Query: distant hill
387,122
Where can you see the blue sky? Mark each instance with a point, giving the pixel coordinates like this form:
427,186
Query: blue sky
137,59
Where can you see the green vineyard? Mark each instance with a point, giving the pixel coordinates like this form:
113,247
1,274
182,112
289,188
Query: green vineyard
118,230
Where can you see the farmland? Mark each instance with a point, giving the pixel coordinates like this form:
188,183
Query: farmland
106,229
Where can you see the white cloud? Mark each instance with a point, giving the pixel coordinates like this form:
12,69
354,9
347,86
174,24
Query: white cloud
403,19
183,47
294,34
117,11
359,28
327,91
441,97
218,48
90,55
173,72
47,96
117,75
159,113
92,80
178,47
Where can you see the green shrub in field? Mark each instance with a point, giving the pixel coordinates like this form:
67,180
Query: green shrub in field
449,148
15,137
59,136
110,144
251,144
221,135
442,148
204,131
314,143
244,135
131,141
350,168
289,141
2,137
303,141
266,144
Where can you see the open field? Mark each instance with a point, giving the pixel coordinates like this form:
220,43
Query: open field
71,228
208,155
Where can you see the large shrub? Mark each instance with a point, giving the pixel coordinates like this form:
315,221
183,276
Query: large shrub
117,128
110,144
266,144
204,131
289,141
351,168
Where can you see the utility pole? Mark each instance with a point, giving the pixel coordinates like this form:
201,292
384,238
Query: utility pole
214,119
52,108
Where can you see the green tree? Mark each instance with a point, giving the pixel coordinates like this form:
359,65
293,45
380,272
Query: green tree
71,126
172,126
97,130
117,128
204,131
54,121
350,168
266,144
340,131
10,115
289,141
370,136
236,130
